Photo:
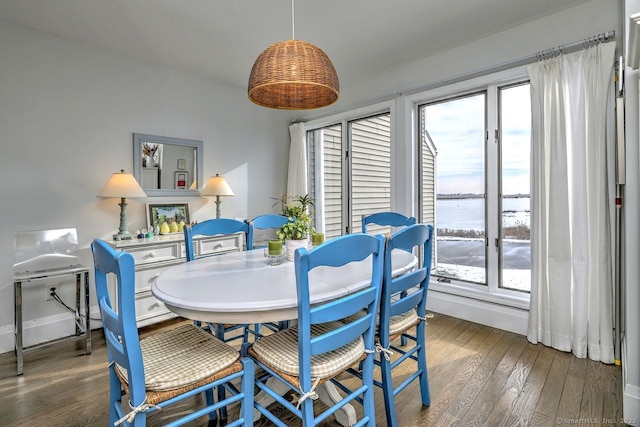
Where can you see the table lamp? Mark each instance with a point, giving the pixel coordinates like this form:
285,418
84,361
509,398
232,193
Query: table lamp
217,186
122,185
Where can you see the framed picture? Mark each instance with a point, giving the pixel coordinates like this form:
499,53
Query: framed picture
168,212
181,180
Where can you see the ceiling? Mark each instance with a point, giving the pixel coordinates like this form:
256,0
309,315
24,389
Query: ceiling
220,39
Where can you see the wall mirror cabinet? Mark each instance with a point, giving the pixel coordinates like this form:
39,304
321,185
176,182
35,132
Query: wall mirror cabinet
167,166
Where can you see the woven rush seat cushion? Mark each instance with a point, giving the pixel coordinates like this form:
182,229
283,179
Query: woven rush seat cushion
397,324
181,356
280,351
402,322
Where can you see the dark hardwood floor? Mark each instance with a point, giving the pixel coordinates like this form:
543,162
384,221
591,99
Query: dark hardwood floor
478,376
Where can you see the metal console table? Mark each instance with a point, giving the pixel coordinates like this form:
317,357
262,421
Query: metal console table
83,329
42,258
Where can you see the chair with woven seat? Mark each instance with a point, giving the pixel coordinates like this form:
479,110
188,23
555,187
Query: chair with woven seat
214,227
390,219
403,311
321,346
167,366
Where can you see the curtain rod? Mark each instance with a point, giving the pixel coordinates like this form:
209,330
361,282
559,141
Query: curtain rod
543,54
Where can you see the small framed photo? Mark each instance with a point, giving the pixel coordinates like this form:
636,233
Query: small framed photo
168,212
181,180
182,164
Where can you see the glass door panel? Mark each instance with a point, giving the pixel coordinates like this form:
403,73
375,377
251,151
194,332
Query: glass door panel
457,131
515,159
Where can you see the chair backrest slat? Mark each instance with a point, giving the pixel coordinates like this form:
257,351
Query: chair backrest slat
341,336
392,219
344,307
406,303
267,221
355,249
408,281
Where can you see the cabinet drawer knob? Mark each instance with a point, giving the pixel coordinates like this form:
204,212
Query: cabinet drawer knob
218,245
151,254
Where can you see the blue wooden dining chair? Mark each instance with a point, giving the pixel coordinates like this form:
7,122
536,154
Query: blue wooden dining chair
403,314
267,222
168,366
214,227
322,345
389,219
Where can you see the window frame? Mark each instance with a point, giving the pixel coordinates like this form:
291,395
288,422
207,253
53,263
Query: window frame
491,292
344,119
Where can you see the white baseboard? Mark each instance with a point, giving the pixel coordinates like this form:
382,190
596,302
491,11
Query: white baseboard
631,405
485,313
44,329
630,393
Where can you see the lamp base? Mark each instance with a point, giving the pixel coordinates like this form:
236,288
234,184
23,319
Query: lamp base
124,235
218,201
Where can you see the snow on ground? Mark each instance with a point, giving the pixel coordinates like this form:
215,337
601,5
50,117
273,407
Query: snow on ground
513,279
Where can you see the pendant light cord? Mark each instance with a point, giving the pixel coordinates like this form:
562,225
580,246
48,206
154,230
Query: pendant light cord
293,21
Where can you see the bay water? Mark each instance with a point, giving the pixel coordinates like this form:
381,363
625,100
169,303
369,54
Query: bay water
468,213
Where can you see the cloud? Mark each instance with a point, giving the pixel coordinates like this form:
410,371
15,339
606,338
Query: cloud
457,128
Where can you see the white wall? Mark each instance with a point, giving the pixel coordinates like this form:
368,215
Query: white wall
631,325
67,114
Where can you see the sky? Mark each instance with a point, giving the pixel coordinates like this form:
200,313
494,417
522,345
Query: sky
457,128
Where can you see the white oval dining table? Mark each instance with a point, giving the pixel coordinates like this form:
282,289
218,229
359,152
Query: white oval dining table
241,287
244,288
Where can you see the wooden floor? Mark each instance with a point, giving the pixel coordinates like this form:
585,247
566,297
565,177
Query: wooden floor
478,376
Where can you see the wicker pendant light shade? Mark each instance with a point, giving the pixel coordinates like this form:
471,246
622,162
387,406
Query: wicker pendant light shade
293,75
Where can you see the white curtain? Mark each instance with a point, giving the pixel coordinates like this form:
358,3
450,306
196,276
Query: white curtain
571,242
297,177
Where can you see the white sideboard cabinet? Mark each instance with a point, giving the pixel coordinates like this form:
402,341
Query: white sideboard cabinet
153,256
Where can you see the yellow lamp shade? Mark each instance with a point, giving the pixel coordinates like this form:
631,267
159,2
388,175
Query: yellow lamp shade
122,185
217,186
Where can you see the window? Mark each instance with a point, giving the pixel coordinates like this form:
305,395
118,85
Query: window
515,162
457,127
474,151
350,178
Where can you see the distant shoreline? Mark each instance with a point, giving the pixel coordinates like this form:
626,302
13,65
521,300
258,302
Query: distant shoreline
478,196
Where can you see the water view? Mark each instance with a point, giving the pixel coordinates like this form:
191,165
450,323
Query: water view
461,241
468,213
